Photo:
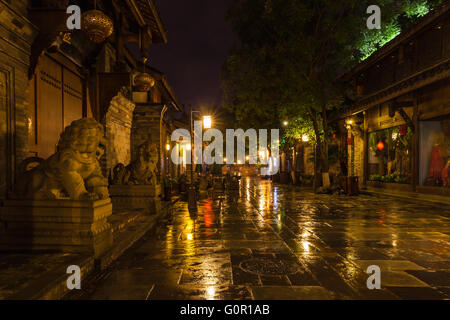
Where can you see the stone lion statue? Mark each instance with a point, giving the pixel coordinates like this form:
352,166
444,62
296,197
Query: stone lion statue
73,172
142,171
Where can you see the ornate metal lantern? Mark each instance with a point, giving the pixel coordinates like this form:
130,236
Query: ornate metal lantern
144,82
97,25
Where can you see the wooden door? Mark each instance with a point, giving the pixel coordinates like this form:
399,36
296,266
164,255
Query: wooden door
73,97
56,99
50,106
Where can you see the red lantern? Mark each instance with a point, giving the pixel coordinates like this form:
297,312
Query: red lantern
334,136
349,141
403,130
380,145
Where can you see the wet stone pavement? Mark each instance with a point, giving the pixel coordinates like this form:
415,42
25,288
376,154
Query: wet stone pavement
281,242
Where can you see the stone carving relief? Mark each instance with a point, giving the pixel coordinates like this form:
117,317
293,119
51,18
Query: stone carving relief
73,172
142,171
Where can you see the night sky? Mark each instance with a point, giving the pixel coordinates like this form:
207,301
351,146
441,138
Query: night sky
199,40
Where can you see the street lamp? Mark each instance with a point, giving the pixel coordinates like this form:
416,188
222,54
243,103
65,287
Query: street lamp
285,123
192,196
207,122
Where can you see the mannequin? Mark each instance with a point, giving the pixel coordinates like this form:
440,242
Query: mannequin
437,161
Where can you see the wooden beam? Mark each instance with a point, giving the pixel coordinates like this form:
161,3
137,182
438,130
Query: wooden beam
414,82
139,18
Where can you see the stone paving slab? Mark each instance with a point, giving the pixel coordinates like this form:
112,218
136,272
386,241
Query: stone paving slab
24,275
285,242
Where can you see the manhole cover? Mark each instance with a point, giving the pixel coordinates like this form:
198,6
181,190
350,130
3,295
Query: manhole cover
269,266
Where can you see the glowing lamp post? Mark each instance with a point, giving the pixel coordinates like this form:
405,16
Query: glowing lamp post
192,196
207,122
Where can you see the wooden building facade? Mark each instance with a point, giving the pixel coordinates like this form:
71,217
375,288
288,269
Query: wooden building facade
50,76
398,129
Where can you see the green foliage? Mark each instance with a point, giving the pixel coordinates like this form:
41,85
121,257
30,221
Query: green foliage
396,16
303,126
289,59
397,178
375,177
374,39
292,56
416,8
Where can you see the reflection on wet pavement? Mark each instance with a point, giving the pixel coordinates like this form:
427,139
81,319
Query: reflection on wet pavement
281,242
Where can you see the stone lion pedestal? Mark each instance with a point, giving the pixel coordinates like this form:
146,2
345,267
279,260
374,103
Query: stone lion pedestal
144,197
60,225
62,203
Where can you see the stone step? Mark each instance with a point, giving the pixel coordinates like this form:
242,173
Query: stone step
128,228
119,221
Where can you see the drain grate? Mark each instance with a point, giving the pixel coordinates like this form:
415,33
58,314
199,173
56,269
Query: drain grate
269,266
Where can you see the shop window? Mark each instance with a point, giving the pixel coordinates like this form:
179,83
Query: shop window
390,155
434,151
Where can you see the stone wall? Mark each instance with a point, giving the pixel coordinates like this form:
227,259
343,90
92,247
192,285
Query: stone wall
146,126
118,123
16,37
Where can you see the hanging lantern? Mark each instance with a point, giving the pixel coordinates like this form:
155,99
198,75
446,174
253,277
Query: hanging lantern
334,135
97,25
403,130
144,82
380,145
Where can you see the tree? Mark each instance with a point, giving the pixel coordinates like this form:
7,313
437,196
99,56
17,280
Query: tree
291,59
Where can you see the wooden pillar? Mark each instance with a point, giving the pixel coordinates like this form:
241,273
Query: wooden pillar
365,150
415,146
